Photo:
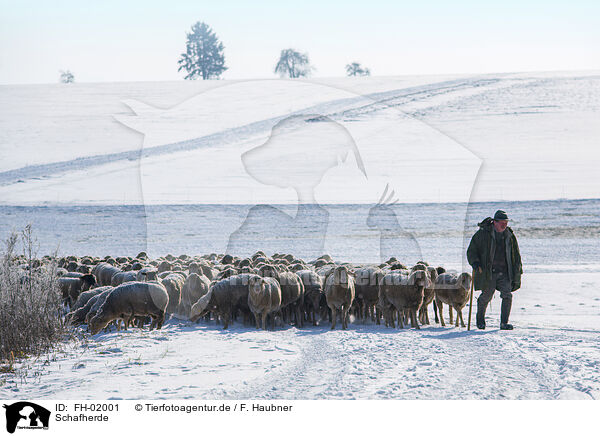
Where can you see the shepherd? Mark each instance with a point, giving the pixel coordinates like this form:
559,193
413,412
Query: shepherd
494,255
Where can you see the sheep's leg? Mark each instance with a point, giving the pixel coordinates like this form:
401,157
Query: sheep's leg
440,307
450,311
378,316
160,320
457,318
459,313
435,313
264,321
333,317
414,322
299,315
256,319
400,318
345,314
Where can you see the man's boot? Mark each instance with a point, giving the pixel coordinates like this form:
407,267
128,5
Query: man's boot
480,317
504,314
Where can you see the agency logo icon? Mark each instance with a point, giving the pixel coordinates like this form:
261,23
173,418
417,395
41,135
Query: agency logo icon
26,415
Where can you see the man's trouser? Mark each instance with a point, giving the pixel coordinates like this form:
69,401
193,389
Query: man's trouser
500,282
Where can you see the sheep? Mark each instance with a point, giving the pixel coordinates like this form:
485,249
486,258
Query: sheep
194,287
428,293
313,292
71,287
173,284
367,289
85,296
147,274
264,298
292,290
79,316
339,293
104,273
223,297
129,300
453,290
164,266
98,302
403,293
122,277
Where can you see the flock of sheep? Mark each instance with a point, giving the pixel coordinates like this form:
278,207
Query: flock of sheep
225,288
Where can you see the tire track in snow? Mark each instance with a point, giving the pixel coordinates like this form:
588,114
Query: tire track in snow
336,109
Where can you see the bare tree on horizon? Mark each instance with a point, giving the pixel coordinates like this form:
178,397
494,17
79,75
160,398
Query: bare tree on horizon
293,64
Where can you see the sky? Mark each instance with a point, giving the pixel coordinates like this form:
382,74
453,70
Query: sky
142,40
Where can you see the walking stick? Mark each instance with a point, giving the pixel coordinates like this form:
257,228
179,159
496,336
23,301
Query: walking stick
471,299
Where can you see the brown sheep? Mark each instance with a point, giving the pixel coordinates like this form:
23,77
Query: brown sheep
292,291
453,290
129,300
339,293
313,293
264,298
428,293
367,290
223,297
403,293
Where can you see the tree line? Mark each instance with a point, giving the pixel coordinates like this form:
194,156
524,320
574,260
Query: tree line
204,59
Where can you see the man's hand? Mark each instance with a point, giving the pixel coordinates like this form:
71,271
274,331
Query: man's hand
480,270
477,266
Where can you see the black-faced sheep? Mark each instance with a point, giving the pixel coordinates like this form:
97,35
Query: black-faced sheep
71,287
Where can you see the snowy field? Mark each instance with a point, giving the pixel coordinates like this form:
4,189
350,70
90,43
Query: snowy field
552,354
120,168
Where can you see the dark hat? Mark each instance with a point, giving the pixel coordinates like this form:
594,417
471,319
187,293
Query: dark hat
500,215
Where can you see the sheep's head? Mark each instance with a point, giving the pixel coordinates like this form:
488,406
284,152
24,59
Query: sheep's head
97,323
268,271
419,278
88,280
256,285
341,275
464,281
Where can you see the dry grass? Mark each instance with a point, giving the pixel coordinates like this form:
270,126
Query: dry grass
31,310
